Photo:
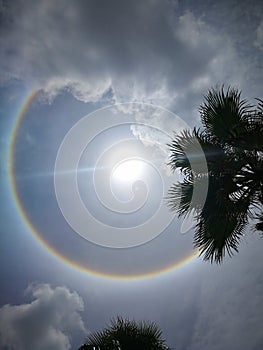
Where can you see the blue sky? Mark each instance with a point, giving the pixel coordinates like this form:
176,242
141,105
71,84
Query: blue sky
123,76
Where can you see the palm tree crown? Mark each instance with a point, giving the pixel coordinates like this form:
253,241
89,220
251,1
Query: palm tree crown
232,142
124,334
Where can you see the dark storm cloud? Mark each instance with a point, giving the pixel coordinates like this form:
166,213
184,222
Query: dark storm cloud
148,50
45,323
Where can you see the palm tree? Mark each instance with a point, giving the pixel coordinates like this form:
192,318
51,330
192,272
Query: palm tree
232,142
124,334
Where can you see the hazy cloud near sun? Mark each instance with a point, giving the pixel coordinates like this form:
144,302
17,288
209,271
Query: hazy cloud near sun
45,323
138,50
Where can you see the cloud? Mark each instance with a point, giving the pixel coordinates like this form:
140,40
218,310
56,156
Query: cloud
145,51
151,51
45,323
259,36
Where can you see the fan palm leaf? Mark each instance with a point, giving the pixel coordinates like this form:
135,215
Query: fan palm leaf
186,196
125,334
191,152
251,139
221,222
223,114
232,144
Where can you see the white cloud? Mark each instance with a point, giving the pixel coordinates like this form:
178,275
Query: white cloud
137,51
44,324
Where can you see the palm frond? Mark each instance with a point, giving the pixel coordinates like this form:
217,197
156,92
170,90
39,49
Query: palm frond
187,196
259,225
228,154
221,222
186,153
179,196
129,335
214,152
252,137
260,108
219,234
223,114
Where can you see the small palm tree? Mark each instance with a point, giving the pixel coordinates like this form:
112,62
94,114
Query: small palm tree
232,142
124,334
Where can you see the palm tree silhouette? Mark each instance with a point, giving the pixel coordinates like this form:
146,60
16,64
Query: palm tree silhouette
232,142
124,334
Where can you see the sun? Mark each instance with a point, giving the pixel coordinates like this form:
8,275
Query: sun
128,170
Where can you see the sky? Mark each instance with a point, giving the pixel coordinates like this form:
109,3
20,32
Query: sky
91,92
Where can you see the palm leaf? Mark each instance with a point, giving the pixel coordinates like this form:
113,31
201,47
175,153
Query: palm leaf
221,222
217,235
228,154
127,335
184,197
223,114
259,224
186,153
252,137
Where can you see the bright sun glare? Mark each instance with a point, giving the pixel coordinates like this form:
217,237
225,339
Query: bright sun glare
129,170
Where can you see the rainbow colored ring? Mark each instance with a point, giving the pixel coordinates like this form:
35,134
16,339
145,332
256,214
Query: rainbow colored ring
21,113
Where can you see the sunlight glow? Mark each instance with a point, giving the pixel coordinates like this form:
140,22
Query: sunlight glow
129,170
